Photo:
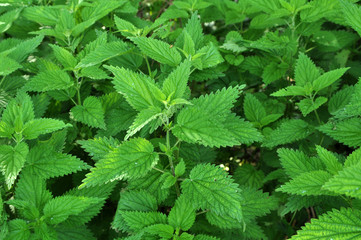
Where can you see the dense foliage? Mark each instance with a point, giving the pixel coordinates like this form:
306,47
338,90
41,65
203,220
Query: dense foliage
184,119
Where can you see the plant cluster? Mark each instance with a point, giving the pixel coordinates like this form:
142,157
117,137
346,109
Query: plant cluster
183,120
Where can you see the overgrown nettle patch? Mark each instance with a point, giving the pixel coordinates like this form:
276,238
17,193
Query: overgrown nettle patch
185,119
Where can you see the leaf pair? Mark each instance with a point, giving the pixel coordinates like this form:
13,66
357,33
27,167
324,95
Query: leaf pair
210,122
324,175
137,211
131,160
143,94
309,82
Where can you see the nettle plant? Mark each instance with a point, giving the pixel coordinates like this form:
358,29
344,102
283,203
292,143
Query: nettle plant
186,119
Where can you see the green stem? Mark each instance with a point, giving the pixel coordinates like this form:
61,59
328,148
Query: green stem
157,169
293,217
321,141
73,101
293,26
169,155
170,158
178,142
315,111
78,95
148,66
318,118
78,90
2,80
204,211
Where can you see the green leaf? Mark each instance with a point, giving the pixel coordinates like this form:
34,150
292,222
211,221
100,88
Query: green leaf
270,118
219,103
127,29
90,113
169,180
347,182
59,209
6,130
352,14
339,100
20,108
136,200
78,233
209,121
331,162
142,119
171,13
102,53
99,147
49,80
94,72
182,215
140,200
197,126
211,188
32,189
253,108
336,224
328,78
176,83
12,160
102,192
27,210
46,163
18,230
296,202
8,18
266,6
206,57
8,65
26,47
289,131
64,57
353,158
205,237
306,184
162,230
139,90
307,105
290,91
36,127
353,108
296,162
137,221
42,14
305,71
158,50
97,11
256,203
188,46
100,40
234,60
180,168
194,29
41,103
132,159
273,72
317,10
223,221
334,41
152,183
347,131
